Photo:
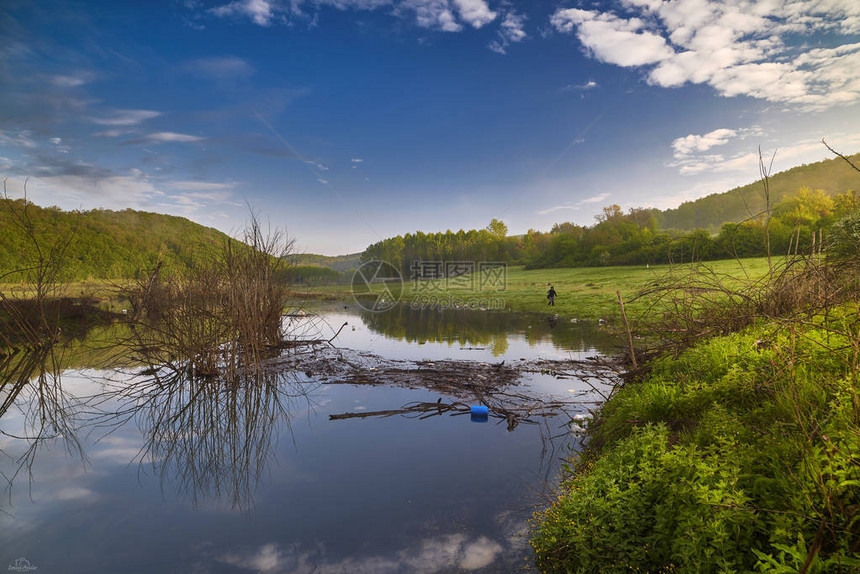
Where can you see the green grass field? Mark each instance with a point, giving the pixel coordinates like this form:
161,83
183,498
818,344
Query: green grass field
583,292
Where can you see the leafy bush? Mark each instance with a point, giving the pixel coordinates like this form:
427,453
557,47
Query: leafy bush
649,506
741,454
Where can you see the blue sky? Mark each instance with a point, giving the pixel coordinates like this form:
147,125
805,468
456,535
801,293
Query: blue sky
347,121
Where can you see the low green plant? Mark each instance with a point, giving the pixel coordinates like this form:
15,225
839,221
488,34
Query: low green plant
740,454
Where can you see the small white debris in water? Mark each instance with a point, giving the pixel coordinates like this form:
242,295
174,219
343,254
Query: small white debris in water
361,408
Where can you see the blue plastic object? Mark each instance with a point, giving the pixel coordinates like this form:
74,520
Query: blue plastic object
480,414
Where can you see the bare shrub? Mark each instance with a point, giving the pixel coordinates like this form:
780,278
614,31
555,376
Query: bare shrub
221,316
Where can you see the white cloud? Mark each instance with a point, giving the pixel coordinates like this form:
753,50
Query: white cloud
441,553
111,133
478,554
738,47
691,152
595,198
72,493
132,190
475,12
261,12
611,39
511,31
744,160
126,117
435,14
170,137
575,205
443,15
699,143
718,173
191,203
589,85
18,138
201,186
345,4
322,181
267,559
58,145
71,80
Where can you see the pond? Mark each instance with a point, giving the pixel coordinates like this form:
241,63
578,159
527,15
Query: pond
131,475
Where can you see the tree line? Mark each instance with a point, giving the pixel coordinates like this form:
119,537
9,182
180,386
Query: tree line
475,245
626,238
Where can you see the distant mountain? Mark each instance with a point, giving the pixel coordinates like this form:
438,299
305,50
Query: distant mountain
710,212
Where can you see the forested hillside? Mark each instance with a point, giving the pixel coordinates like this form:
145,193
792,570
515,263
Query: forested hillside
805,201
101,243
832,176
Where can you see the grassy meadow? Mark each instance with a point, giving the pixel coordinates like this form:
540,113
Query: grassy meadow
583,292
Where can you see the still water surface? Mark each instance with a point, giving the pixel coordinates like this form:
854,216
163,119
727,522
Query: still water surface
263,481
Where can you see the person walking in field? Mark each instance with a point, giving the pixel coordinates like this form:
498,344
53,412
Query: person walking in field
550,295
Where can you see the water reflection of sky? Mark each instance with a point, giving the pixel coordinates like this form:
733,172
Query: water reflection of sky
363,495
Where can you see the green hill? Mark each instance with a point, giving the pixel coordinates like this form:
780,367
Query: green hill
710,212
339,263
104,244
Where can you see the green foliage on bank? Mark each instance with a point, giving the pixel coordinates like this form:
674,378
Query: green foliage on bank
740,454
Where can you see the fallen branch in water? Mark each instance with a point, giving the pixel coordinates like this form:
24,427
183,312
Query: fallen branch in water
412,408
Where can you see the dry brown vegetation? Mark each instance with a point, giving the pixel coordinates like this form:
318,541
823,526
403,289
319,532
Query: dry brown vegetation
221,317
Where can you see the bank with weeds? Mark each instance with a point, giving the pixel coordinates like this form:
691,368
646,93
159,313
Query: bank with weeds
739,453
